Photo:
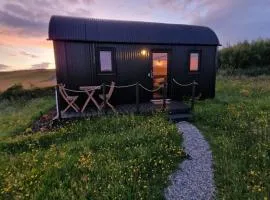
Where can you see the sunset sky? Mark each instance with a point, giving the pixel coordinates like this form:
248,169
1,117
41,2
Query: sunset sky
24,23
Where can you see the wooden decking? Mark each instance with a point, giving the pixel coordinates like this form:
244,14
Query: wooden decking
173,108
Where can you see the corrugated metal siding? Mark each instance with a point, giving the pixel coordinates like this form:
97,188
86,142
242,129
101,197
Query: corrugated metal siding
206,74
96,30
77,65
67,29
131,67
60,61
205,77
61,68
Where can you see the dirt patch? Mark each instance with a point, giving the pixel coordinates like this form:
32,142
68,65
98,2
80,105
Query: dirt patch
45,122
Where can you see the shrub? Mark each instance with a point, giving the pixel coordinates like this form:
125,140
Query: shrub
245,54
17,91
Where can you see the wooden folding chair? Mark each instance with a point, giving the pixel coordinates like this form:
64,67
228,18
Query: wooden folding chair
108,96
69,99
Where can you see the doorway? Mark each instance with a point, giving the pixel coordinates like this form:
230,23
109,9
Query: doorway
159,72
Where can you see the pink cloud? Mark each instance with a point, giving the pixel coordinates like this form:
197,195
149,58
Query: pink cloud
28,54
4,67
43,65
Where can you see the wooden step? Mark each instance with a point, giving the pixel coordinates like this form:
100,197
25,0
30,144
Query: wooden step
180,117
178,108
160,101
183,110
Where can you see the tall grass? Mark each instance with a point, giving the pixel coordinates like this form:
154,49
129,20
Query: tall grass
20,107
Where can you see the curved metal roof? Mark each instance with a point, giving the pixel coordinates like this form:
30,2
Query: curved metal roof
101,30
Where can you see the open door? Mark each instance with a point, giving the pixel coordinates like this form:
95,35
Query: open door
159,71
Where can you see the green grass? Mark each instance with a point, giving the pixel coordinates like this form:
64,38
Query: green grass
123,157
130,157
117,157
237,125
18,114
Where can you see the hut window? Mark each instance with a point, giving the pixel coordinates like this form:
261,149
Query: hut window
105,61
194,61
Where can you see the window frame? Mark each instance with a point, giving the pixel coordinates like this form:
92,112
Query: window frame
112,50
199,52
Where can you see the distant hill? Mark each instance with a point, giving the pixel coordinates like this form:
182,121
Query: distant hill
28,78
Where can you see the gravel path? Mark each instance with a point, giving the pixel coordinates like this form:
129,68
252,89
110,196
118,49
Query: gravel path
194,178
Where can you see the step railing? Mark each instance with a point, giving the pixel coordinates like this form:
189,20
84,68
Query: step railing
193,92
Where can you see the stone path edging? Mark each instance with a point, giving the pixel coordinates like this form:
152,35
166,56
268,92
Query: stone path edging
194,177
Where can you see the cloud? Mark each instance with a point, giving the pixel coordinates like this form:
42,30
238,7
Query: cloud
232,20
25,23
186,9
17,9
4,31
22,25
236,21
31,18
88,1
4,67
43,65
28,54
79,12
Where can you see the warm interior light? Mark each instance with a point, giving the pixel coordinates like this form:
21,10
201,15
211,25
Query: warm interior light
159,63
143,52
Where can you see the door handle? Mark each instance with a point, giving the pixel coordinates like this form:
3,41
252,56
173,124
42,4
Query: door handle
150,74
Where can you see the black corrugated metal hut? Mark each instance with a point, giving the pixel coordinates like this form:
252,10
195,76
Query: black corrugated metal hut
94,51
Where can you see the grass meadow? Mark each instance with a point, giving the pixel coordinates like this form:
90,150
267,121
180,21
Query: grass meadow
28,78
130,157
125,157
17,115
19,108
237,125
113,157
